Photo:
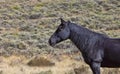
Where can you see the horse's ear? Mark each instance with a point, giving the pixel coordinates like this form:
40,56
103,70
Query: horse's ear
68,21
62,21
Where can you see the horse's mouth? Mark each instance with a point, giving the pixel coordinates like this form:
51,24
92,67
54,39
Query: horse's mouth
52,44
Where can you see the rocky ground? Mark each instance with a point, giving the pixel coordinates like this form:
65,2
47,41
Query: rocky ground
26,25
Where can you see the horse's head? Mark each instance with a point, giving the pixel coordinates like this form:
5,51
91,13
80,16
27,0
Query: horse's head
62,33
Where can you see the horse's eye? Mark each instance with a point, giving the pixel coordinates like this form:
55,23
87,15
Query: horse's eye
61,28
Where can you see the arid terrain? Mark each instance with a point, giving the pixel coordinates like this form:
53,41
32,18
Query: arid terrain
26,26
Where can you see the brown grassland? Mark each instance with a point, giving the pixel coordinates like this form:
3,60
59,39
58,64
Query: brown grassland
26,25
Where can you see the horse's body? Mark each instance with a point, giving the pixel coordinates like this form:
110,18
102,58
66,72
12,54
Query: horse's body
111,53
98,50
111,47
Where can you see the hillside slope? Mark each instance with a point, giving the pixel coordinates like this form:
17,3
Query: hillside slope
26,25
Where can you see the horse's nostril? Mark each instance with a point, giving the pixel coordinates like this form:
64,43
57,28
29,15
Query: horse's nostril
49,42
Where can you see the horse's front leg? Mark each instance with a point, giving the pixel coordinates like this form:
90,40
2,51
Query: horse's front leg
95,66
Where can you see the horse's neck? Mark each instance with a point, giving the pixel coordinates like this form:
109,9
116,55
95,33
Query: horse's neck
79,38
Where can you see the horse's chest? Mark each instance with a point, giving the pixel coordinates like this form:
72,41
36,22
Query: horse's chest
86,58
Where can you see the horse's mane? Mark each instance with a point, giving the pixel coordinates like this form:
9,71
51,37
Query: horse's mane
85,30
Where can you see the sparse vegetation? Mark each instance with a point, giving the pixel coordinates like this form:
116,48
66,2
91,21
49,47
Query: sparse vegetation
26,25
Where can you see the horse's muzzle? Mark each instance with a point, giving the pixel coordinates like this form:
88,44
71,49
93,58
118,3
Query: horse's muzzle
51,43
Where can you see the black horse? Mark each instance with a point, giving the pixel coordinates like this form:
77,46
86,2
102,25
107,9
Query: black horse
98,50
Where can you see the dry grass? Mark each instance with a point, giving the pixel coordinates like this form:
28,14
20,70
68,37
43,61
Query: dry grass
18,65
26,25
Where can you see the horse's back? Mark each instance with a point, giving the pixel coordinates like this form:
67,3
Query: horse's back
111,53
